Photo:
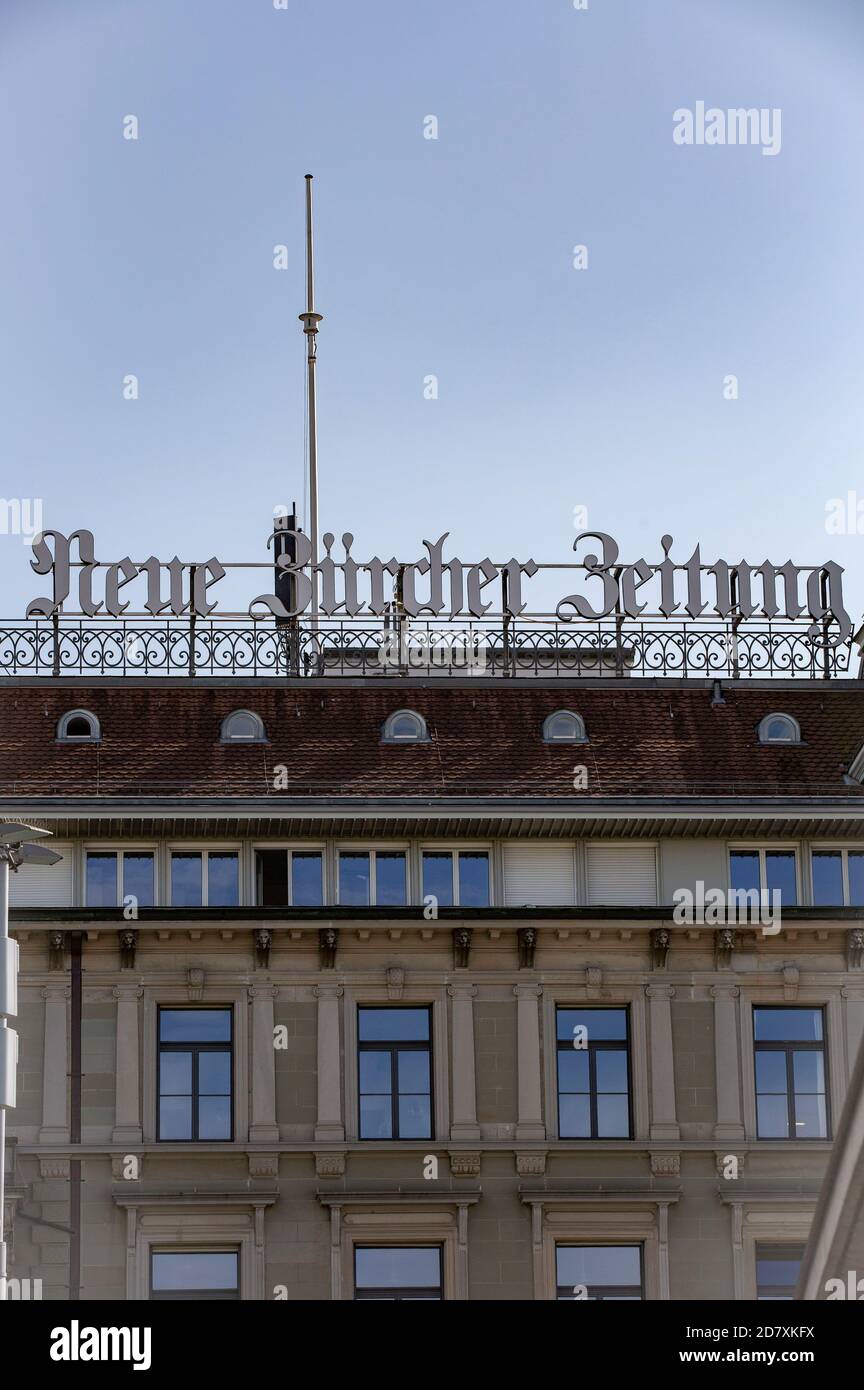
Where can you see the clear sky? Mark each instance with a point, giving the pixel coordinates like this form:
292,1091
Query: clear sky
452,257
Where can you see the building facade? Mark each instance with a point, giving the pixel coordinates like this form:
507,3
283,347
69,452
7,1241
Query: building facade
386,988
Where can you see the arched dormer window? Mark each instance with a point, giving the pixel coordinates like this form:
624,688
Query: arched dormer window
79,726
779,728
242,726
405,726
564,727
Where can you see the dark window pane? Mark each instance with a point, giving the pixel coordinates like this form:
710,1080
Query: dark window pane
744,870
213,1269
771,1076
773,1117
195,1025
856,879
175,1073
809,1072
777,1267
599,1264
438,877
418,1268
354,879
101,880
613,1117
186,880
828,879
780,875
788,1025
272,877
413,1072
376,1076
611,1070
214,1073
394,1025
214,1117
175,1117
575,1117
376,1117
473,880
573,1070
603,1025
811,1117
390,879
307,880
138,878
223,880
414,1117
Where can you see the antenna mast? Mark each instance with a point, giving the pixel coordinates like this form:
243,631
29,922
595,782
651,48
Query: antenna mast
310,321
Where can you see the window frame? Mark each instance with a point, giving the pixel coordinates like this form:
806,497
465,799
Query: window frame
397,1294
358,996
613,1045
609,1296
424,847
319,848
844,850
196,1048
393,1048
94,736
789,719
192,1295
579,737
260,735
776,1245
792,847
632,998
121,850
422,735
373,850
205,851
788,1048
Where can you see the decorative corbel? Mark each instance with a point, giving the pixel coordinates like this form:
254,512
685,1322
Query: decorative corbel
195,982
328,938
57,950
128,939
263,942
661,939
395,981
461,946
724,944
527,939
855,948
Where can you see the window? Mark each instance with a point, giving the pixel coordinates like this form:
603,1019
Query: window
564,727
373,877
779,728
765,870
114,875
456,877
398,1274
608,1273
405,726
79,726
195,1067
289,878
791,1101
205,878
777,1268
395,1057
838,878
593,1073
194,1274
243,727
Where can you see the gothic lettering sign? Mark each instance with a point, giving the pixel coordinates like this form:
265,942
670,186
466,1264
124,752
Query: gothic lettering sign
435,586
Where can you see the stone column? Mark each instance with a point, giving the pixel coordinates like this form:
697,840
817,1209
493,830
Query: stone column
464,1120
329,1125
729,1126
263,1128
55,1068
663,1122
127,1101
530,1088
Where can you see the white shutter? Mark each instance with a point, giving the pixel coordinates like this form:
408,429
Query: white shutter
539,873
38,885
622,875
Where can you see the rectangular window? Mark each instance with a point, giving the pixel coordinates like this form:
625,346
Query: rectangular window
113,875
608,1273
791,1099
194,1274
777,1268
765,870
195,1074
838,878
289,878
373,878
593,1073
400,1274
205,878
457,878
395,1063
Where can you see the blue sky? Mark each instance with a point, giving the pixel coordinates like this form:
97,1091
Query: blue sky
453,257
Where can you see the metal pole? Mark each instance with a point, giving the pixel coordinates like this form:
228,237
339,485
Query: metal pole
4,932
75,1123
310,321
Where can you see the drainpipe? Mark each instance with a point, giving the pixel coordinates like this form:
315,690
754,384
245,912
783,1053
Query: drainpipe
75,1126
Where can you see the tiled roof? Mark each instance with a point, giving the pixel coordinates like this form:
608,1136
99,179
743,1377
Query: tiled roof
643,739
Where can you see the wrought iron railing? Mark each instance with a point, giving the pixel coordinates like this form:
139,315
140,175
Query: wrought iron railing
245,648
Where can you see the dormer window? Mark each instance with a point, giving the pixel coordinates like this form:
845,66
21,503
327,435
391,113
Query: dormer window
242,726
564,727
779,728
79,726
405,726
